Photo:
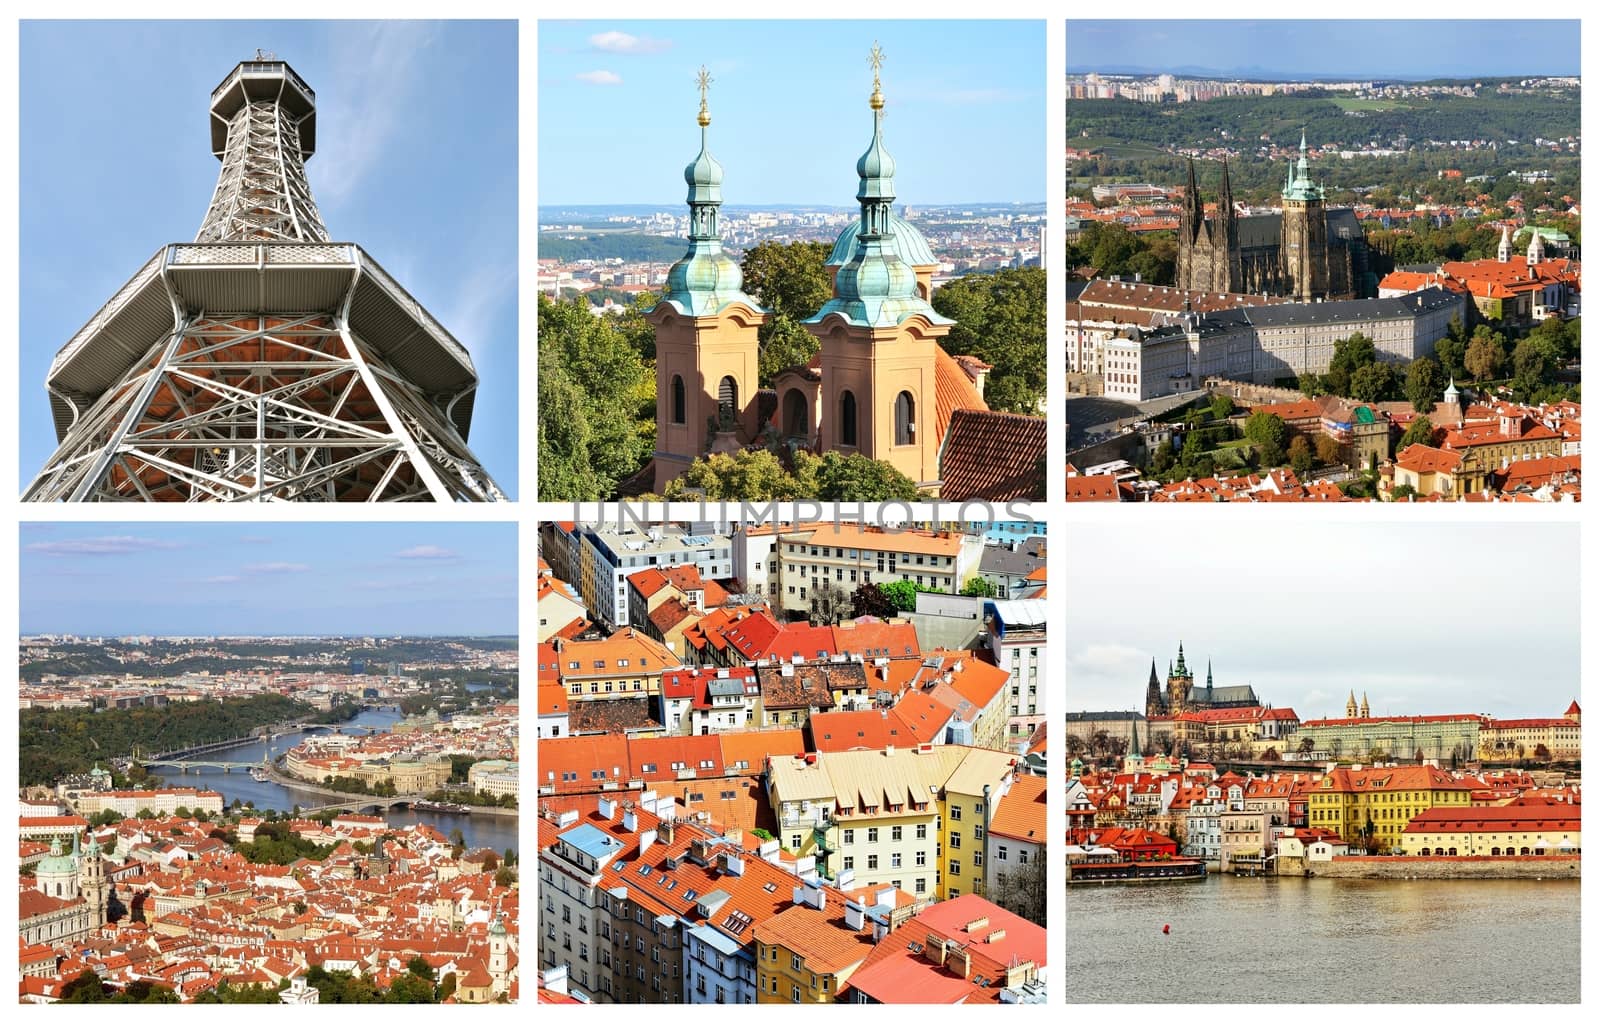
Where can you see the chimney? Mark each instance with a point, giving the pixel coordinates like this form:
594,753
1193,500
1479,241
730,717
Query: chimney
630,820
608,808
665,829
854,916
646,840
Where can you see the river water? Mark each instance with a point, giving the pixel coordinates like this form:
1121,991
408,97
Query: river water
479,830
1324,940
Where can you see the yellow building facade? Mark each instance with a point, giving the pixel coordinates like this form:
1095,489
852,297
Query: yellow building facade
1374,805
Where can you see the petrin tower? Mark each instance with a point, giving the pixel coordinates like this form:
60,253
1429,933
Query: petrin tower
262,362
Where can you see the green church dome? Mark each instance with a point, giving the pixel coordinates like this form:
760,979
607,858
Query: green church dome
913,247
875,285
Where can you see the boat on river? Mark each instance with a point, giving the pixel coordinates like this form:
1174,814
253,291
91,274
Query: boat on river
1135,871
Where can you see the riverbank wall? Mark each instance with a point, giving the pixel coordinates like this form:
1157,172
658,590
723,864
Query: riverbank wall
294,784
1415,868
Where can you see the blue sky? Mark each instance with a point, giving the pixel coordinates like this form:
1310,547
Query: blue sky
1417,615
416,161
258,578
965,115
1410,49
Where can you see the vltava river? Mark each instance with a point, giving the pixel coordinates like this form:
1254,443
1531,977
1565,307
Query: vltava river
1324,940
478,830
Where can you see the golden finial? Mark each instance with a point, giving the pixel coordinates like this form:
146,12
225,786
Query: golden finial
875,59
703,80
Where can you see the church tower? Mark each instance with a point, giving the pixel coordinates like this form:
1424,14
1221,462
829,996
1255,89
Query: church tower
878,334
1366,711
1180,683
1153,704
499,956
706,348
1535,250
1304,249
1350,705
92,882
1505,244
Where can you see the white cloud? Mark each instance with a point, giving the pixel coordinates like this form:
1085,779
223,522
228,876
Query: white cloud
101,545
368,98
427,552
276,567
223,579
599,77
622,42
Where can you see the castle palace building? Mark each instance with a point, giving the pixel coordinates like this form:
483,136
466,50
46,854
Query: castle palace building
1182,695
1305,252
880,386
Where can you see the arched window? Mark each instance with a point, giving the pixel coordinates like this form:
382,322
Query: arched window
727,399
905,418
677,399
847,419
796,414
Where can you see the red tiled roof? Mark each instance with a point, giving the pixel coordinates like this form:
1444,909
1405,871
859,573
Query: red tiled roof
992,456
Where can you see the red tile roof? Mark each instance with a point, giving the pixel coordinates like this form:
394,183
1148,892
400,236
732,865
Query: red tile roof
992,456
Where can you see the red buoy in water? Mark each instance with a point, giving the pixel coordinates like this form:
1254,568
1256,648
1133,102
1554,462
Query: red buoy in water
1166,928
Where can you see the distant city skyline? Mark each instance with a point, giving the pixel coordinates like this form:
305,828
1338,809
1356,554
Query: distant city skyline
965,113
268,579
1306,49
1422,618
416,162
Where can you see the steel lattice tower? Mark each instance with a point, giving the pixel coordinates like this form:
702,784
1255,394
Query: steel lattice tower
262,362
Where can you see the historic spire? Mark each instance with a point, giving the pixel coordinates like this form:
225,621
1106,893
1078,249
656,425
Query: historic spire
1225,198
875,286
1208,676
1193,208
1505,243
704,175
1535,247
1181,668
1133,747
1366,712
1350,705
1300,186
876,166
706,278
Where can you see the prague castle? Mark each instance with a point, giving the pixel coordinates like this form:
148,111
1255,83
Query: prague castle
1182,695
1306,252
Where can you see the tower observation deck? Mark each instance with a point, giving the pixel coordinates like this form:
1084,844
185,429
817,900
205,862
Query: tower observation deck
262,361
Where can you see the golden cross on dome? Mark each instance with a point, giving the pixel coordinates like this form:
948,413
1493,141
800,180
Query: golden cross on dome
703,81
875,61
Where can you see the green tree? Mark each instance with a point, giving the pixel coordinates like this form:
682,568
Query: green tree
789,279
596,401
1424,383
1534,361
1351,353
1419,432
411,989
1000,318
1375,381
1300,455
978,586
1266,428
901,594
786,345
746,475
1327,449
870,599
854,477
1221,406
1486,354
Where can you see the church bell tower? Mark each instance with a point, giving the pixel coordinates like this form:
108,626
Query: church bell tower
878,334
1304,249
707,354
